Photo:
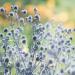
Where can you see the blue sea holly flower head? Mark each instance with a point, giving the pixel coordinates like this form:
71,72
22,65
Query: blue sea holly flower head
2,9
30,19
24,11
11,14
21,20
15,8
31,47
37,17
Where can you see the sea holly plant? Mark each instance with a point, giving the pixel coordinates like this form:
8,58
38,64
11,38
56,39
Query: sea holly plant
51,51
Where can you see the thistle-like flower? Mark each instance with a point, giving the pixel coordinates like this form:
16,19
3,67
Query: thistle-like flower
24,11
51,46
2,9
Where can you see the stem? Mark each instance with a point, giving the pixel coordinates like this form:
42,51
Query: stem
18,48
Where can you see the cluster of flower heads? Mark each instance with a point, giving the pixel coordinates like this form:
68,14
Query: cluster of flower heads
51,52
20,15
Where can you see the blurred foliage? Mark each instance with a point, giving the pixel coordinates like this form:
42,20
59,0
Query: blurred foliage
26,2
64,5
